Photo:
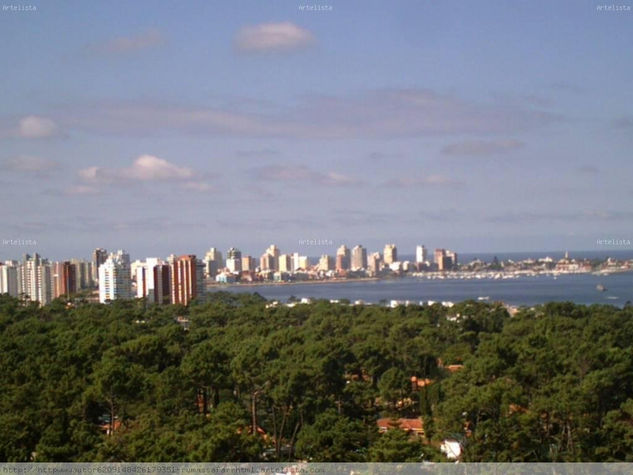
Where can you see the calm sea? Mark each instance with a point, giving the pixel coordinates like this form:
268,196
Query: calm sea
579,288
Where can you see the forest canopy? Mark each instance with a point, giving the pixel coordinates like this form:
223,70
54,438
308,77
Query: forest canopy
233,379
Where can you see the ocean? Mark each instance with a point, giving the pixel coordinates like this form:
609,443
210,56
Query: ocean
578,288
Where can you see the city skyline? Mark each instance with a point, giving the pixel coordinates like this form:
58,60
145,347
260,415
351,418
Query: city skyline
488,127
612,246
180,279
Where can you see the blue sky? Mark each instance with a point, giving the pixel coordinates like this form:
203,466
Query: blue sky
160,127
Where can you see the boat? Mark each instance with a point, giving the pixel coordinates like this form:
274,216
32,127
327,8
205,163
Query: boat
600,288
483,298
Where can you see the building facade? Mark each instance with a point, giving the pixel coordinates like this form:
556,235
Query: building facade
343,258
187,279
9,279
115,279
359,258
420,254
153,281
390,254
234,260
213,262
99,256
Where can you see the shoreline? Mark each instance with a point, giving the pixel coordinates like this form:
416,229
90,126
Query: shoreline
299,282
429,276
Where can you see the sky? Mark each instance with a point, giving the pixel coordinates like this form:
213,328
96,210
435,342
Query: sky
162,127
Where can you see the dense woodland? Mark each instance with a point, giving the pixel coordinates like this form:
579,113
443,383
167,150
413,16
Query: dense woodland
233,380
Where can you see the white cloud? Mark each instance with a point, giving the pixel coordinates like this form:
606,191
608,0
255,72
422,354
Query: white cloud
34,127
428,180
390,113
82,190
272,37
285,173
197,186
89,174
292,173
144,168
29,164
576,216
131,44
482,148
332,178
148,167
261,153
385,155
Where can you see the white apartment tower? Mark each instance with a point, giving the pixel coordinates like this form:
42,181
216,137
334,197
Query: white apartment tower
152,281
9,279
34,279
234,260
115,278
420,254
359,258
390,254
213,262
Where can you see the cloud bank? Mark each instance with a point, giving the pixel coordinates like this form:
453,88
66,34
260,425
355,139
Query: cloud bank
392,113
291,173
144,168
482,148
130,44
272,37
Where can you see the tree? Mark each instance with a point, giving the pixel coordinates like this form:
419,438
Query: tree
334,438
117,383
395,445
225,437
393,385
207,367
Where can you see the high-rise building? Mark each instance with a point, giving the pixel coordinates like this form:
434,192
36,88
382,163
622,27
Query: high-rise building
64,275
44,283
234,260
304,263
213,262
342,258
144,281
359,257
452,255
444,259
266,262
285,263
295,261
26,275
9,279
187,279
99,256
420,254
326,263
274,251
153,282
390,254
35,279
134,266
115,279
374,262
248,264
83,274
